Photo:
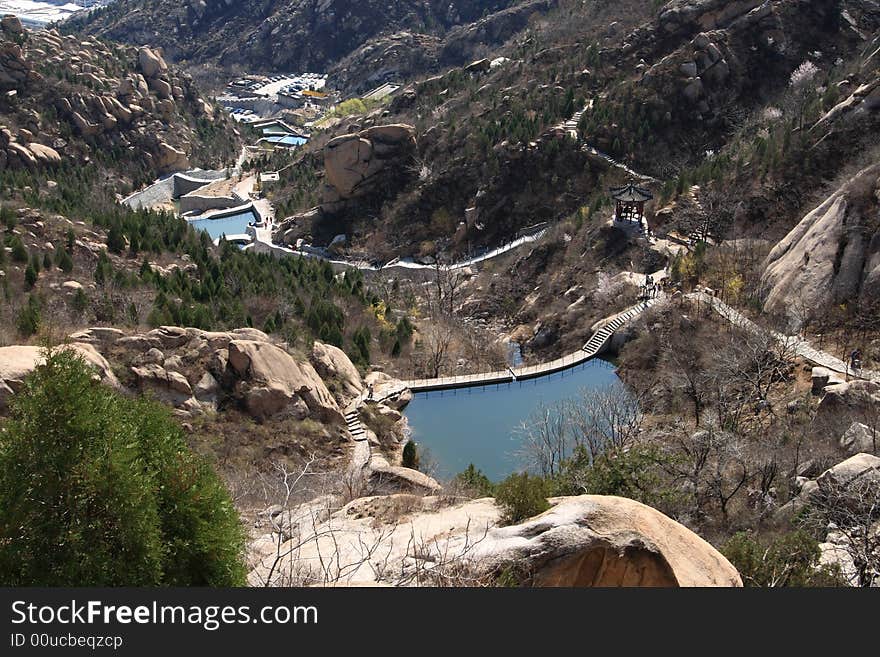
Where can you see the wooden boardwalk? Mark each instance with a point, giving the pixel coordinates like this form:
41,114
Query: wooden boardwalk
590,350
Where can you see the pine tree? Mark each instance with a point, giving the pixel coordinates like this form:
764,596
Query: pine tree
30,276
115,239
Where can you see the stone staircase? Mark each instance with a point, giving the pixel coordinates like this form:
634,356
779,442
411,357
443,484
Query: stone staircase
572,123
598,340
353,422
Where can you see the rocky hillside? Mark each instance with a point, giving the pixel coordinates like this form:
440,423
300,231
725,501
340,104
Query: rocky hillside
299,35
832,256
68,100
219,382
743,117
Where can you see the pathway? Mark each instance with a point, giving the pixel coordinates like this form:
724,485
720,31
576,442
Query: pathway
801,347
360,457
590,350
265,239
572,125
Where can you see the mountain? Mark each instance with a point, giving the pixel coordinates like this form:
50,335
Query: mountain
307,35
68,100
746,130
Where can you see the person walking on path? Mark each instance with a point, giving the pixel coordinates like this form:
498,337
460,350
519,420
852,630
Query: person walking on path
855,359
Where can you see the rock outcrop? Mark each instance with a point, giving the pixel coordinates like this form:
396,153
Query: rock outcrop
272,383
17,362
334,366
354,163
361,169
832,256
195,371
860,438
858,470
846,403
127,100
383,477
151,63
581,541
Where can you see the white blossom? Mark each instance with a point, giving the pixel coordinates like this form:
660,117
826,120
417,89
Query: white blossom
772,114
803,74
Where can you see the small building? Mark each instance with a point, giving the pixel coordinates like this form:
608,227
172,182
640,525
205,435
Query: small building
630,204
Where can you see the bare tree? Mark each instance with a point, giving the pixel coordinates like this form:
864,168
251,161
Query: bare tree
729,471
546,439
690,376
605,420
447,283
434,343
712,463
756,359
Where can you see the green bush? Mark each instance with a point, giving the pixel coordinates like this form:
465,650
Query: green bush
30,276
521,496
115,239
473,481
63,260
410,456
791,559
29,317
100,490
635,473
19,251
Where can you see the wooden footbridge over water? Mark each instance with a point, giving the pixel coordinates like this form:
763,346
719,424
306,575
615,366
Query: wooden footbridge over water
591,349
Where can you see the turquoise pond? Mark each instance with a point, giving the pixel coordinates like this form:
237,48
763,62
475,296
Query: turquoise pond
479,425
287,140
233,225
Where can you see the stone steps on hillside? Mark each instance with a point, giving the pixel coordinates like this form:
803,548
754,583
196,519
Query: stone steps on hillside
355,428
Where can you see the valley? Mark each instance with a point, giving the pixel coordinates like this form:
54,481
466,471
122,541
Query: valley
493,270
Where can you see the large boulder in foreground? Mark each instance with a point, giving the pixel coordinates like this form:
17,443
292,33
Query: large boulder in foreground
595,540
271,383
17,362
582,541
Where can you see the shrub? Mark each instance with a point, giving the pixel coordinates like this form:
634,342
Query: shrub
474,482
79,302
63,260
30,276
410,456
29,317
100,490
115,239
634,473
521,496
791,559
19,252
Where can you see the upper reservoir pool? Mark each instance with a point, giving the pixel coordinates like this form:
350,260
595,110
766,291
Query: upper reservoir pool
233,225
479,425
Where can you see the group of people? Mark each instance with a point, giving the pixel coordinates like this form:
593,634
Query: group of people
651,288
